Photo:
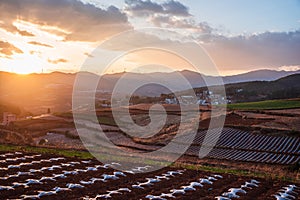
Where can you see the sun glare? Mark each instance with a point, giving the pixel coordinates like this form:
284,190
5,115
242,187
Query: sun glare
26,64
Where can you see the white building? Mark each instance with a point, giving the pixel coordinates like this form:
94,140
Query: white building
8,117
171,101
187,100
202,102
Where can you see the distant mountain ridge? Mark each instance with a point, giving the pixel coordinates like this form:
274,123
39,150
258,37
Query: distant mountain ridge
195,79
37,92
283,88
259,75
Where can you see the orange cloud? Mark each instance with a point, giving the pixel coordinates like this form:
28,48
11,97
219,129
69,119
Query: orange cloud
40,44
8,26
57,61
7,49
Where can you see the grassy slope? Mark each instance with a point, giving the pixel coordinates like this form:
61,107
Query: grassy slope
266,105
67,153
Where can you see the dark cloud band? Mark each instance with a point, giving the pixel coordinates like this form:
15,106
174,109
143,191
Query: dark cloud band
82,22
148,8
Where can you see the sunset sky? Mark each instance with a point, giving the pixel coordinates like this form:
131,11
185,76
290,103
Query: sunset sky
59,35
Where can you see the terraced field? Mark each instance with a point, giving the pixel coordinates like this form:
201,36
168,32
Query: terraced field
48,176
240,145
234,145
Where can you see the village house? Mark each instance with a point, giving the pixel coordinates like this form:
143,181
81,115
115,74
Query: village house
8,118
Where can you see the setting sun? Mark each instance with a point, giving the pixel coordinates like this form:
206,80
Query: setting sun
26,64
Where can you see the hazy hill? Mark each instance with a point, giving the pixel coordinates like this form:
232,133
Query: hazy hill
195,79
283,88
38,92
259,75
6,107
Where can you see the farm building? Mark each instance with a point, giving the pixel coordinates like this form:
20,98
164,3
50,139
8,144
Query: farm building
8,118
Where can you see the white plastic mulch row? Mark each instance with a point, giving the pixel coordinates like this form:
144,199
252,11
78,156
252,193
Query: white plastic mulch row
287,193
192,186
235,192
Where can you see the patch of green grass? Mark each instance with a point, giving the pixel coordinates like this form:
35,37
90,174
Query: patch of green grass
30,149
265,105
220,170
237,172
80,154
